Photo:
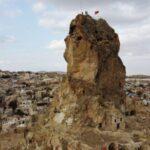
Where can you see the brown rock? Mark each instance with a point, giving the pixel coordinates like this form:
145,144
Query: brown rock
95,72
91,95
94,67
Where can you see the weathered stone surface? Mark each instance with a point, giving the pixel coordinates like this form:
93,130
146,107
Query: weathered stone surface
91,95
95,74
94,67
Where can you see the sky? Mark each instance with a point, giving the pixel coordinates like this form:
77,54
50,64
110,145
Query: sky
32,32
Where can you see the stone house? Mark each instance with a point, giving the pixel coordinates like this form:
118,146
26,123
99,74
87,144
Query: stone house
8,112
1,110
26,104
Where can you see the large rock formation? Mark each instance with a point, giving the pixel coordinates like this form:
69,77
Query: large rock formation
88,111
91,96
95,73
94,67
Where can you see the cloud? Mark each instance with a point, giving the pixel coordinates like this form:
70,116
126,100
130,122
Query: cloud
137,64
129,18
3,1
6,40
135,39
118,13
52,19
2,62
9,8
11,13
53,25
39,6
128,12
56,45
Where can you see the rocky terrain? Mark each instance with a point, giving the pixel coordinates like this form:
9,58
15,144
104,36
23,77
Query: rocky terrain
137,93
24,95
92,107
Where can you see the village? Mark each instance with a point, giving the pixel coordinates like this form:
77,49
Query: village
138,89
23,95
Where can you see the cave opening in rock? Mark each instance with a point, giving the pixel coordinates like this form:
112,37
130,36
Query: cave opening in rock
118,126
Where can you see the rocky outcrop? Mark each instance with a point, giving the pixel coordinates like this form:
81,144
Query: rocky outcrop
94,67
91,95
88,112
95,73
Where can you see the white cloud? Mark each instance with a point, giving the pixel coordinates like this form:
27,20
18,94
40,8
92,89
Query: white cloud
3,1
10,39
11,13
129,54
47,23
56,45
7,2
39,6
135,40
6,40
135,33
53,24
2,62
130,18
137,64
9,8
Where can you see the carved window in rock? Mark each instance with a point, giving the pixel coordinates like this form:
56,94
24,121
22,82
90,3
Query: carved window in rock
79,38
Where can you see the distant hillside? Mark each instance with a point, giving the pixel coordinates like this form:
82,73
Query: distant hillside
139,76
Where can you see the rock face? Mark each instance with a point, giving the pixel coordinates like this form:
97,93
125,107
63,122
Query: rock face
95,73
94,67
91,95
